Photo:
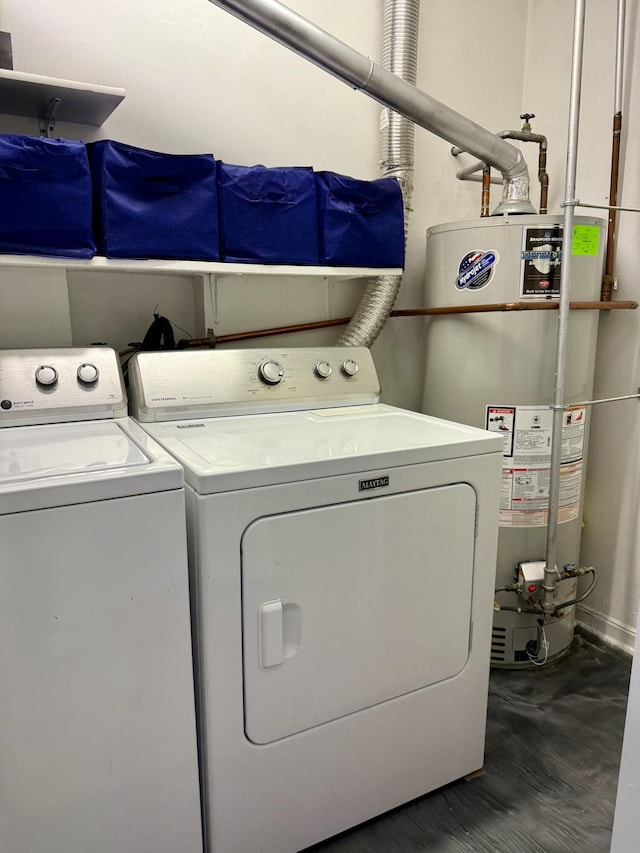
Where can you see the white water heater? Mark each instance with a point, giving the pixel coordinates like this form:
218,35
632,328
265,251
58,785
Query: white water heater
497,370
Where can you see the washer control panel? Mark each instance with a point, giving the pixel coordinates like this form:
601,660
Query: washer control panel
210,383
51,385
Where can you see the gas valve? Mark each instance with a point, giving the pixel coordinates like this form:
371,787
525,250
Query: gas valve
530,580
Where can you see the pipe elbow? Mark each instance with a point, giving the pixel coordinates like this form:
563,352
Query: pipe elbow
519,169
515,189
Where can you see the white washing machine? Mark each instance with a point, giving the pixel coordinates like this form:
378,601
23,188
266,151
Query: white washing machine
342,556
98,748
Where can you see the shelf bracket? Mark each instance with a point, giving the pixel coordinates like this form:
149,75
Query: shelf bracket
328,295
47,120
211,302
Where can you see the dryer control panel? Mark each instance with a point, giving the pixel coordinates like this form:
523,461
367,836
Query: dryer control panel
208,383
53,385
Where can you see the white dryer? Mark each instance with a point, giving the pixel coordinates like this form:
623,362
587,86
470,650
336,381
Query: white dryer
98,748
342,556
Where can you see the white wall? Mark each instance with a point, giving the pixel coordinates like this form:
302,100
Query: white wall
199,80
611,537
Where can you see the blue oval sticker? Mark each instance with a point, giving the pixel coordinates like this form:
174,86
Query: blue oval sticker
476,269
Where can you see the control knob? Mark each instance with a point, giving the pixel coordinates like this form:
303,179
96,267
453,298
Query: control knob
271,372
323,369
350,367
88,373
46,375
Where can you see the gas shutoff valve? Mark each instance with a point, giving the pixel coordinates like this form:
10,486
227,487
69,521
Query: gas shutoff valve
530,580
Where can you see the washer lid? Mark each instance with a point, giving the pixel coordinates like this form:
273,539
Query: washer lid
221,454
59,464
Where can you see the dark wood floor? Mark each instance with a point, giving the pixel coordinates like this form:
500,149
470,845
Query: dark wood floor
554,738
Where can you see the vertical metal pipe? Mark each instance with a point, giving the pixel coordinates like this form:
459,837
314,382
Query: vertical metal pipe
607,278
549,583
617,104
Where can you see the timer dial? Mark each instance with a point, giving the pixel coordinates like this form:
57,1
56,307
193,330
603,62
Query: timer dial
271,372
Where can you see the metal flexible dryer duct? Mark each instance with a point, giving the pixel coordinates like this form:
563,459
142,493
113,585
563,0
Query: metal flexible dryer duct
400,56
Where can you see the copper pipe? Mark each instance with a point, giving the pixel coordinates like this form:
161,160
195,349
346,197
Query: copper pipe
486,191
511,306
607,279
405,312
192,343
543,177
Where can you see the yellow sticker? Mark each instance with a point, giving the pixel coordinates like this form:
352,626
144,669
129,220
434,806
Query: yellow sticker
585,240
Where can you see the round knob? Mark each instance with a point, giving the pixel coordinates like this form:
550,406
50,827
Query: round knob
88,374
323,369
46,375
350,367
271,372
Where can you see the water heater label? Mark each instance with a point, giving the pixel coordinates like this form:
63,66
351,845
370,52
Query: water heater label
541,261
476,269
501,419
585,240
526,462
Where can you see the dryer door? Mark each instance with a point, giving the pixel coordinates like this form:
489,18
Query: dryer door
349,605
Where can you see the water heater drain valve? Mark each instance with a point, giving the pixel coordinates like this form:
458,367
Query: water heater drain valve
530,580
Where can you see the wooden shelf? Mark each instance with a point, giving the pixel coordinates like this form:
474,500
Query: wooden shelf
31,94
159,267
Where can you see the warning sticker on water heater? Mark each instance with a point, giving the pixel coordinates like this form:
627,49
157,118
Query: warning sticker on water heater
526,462
541,261
501,419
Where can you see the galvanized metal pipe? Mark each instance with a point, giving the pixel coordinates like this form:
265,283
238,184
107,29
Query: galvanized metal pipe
618,91
469,173
549,582
334,56
608,207
520,135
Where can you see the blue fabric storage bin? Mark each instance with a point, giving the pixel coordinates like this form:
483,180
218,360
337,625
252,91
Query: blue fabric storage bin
153,205
361,222
268,215
45,197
